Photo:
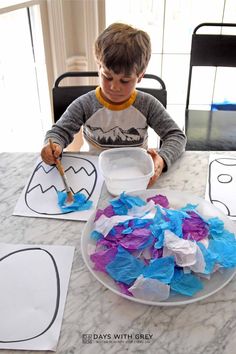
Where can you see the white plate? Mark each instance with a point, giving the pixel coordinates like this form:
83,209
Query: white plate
177,200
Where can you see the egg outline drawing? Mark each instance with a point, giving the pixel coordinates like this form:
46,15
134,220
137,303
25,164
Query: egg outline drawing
222,179
57,297
82,165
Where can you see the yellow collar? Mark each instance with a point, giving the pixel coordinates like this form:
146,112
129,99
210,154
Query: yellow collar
115,107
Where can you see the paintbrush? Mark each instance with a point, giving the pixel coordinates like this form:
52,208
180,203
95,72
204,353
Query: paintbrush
70,197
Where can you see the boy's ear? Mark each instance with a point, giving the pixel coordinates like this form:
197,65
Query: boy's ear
140,77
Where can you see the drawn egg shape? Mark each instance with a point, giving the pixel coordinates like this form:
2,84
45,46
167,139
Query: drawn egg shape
222,182
29,296
41,192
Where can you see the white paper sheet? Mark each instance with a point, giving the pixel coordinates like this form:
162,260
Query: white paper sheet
39,197
34,282
221,183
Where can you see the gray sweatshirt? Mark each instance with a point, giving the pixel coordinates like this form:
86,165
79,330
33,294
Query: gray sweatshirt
107,125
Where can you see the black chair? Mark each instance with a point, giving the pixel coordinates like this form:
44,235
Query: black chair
64,95
215,50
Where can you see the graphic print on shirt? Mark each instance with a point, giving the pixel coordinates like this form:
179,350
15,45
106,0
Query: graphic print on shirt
117,128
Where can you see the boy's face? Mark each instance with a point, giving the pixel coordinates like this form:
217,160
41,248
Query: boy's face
117,88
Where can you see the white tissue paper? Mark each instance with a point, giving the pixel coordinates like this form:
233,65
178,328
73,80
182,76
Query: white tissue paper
184,251
150,289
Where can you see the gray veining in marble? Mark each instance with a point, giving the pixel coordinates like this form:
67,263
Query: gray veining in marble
204,327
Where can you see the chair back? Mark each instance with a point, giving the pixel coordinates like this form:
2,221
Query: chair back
211,50
63,96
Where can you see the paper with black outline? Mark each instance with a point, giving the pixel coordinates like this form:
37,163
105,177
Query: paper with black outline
39,197
221,183
34,282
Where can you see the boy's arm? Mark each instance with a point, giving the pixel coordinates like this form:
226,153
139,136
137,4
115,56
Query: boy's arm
63,131
173,139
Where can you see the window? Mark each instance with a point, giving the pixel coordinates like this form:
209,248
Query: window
25,112
170,24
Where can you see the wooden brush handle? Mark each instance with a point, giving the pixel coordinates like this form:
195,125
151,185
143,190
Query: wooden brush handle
51,145
57,161
60,167
61,171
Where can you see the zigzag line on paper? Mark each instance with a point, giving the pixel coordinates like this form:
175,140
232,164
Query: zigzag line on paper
41,188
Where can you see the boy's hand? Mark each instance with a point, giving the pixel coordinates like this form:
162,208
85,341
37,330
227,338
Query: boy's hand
158,166
49,156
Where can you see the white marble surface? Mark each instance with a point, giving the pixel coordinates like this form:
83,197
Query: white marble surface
205,327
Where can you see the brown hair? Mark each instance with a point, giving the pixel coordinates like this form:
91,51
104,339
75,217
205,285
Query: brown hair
123,49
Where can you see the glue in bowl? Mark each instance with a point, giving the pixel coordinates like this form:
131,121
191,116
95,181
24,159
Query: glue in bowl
126,169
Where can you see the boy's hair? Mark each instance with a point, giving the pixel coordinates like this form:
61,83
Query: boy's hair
123,49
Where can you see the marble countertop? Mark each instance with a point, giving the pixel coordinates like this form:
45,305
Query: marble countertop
204,327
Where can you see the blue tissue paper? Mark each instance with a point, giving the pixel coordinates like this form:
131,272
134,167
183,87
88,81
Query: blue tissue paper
80,202
125,268
185,284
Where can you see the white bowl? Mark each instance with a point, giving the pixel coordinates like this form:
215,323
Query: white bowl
177,199
126,169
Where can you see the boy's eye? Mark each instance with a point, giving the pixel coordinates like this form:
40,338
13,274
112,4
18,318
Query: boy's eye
124,81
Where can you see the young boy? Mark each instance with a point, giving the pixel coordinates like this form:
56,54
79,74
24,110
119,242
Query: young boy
115,114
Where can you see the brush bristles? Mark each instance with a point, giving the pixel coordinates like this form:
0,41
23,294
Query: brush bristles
70,197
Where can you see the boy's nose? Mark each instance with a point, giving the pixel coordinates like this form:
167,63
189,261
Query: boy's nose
115,86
